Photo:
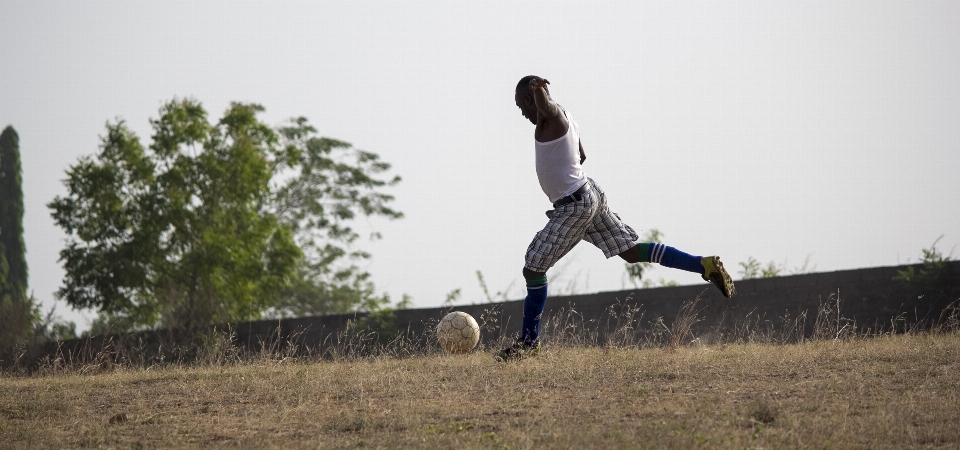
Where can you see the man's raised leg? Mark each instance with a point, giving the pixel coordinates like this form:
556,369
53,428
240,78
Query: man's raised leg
710,268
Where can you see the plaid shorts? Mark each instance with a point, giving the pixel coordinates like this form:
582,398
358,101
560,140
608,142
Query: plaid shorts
587,219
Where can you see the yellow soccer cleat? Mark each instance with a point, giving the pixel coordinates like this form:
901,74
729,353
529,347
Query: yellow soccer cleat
714,272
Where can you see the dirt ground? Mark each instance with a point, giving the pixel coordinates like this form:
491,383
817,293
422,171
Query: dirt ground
890,392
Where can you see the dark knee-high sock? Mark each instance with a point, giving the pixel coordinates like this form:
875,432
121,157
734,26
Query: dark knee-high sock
533,309
668,256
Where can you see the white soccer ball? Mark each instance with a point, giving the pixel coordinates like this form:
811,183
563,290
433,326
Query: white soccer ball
458,332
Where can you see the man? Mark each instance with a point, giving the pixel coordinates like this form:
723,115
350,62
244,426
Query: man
580,213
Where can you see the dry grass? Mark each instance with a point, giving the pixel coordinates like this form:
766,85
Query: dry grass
895,391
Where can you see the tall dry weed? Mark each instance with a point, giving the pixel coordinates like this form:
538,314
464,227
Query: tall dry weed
623,325
681,330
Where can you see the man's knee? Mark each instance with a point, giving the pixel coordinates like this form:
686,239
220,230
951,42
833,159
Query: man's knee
527,273
632,255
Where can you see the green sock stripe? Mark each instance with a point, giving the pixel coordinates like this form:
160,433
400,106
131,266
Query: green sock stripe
645,248
536,281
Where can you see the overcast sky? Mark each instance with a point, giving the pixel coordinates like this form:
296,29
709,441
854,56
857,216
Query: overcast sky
775,130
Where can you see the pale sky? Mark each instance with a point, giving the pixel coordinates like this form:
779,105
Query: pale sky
777,130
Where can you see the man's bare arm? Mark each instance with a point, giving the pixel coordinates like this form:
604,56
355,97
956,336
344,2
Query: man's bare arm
545,105
583,156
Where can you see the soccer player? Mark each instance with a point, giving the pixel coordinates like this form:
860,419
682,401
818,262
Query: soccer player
580,212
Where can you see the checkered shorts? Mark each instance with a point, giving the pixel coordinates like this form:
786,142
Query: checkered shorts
587,219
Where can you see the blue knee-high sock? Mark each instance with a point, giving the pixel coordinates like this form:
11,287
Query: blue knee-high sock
668,256
533,309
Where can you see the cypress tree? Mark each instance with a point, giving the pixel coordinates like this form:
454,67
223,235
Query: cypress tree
11,214
15,308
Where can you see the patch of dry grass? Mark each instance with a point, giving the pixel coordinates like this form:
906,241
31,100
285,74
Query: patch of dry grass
888,392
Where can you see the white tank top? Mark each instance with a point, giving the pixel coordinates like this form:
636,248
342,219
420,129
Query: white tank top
558,163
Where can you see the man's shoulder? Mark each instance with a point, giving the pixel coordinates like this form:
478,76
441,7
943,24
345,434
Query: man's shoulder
552,128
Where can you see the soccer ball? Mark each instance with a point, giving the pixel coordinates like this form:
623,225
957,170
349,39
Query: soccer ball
458,332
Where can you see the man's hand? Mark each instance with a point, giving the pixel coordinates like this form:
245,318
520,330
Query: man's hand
546,107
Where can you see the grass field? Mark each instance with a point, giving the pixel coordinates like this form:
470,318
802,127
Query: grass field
900,391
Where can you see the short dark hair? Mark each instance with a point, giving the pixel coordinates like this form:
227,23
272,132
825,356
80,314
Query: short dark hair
524,83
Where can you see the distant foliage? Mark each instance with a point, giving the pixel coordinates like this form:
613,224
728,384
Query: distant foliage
216,222
754,269
932,278
452,298
54,328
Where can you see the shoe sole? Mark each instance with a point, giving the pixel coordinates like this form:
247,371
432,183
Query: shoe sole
721,279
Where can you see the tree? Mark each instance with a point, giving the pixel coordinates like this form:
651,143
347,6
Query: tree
215,223
17,312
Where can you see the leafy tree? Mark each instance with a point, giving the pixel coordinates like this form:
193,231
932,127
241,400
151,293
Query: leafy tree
17,311
216,223
327,184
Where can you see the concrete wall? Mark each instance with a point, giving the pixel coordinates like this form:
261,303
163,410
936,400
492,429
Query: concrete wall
868,297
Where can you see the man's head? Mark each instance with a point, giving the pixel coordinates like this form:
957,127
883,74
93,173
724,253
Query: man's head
523,95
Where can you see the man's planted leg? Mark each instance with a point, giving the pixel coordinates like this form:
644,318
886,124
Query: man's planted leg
533,304
566,228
